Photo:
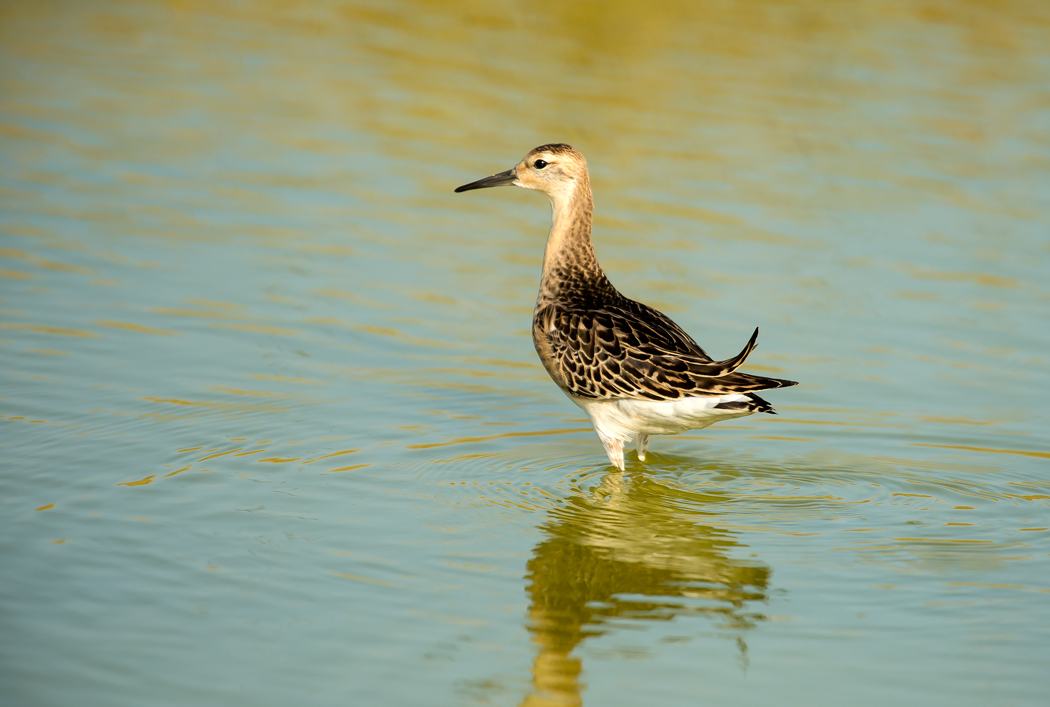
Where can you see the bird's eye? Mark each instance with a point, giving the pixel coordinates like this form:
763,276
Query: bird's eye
539,164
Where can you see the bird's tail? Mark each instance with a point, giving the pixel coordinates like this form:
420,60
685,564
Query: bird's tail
754,403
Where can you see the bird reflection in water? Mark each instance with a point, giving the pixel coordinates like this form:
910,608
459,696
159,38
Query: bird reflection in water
633,550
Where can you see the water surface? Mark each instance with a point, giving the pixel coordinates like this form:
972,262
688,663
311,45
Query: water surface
273,431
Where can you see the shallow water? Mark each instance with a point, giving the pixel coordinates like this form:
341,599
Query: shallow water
274,432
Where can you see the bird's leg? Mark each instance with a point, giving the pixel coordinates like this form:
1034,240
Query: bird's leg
641,444
614,448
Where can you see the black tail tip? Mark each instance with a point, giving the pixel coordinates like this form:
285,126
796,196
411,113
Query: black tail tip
753,404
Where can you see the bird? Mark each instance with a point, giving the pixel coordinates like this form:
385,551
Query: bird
632,370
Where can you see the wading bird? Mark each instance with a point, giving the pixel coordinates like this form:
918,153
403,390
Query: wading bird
629,367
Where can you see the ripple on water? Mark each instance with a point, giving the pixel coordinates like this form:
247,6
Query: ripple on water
928,510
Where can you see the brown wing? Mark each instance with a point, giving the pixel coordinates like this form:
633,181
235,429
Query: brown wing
628,350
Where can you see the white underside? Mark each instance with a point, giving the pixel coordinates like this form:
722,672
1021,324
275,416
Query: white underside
623,419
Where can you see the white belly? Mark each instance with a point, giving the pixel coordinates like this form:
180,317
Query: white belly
623,418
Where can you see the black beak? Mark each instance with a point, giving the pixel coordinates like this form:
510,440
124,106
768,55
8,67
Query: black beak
496,180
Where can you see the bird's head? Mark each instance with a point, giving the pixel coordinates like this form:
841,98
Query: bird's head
554,170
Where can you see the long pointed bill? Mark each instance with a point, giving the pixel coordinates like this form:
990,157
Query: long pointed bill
496,180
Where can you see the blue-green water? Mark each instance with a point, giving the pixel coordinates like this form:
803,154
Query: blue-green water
274,431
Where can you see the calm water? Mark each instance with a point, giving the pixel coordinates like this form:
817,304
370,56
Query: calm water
274,432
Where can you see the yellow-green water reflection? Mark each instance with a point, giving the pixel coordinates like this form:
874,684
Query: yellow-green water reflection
623,554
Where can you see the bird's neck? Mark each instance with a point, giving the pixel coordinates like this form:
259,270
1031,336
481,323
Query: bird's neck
569,263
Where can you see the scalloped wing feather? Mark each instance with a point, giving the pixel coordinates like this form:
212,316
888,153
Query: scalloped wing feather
629,350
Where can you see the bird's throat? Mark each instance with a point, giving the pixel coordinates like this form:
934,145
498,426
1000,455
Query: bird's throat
569,262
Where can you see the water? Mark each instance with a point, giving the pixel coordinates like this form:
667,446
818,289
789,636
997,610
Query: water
274,432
